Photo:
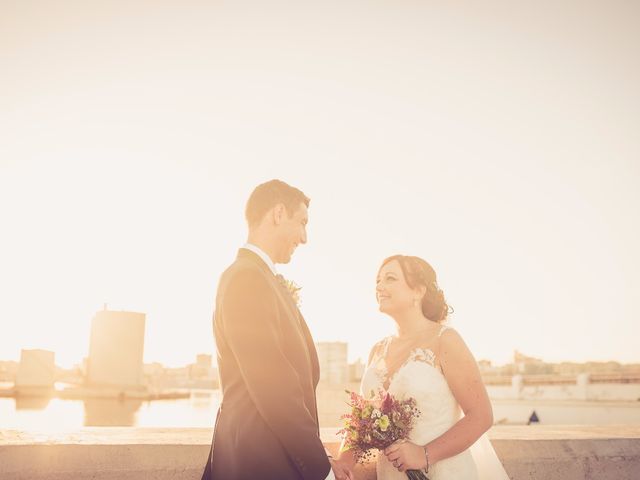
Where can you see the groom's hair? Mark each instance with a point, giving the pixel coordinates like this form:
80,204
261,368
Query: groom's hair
267,195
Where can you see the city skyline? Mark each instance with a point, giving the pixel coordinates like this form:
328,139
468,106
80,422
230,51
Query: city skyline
517,356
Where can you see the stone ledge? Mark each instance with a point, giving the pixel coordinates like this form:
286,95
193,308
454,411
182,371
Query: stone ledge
109,453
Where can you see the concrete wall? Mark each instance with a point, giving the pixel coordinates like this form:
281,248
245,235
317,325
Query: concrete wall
537,452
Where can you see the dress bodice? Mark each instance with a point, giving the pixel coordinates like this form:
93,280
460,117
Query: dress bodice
419,377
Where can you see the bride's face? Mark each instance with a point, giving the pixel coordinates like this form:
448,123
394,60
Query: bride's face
392,291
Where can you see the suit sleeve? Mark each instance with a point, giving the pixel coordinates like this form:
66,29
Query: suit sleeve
250,321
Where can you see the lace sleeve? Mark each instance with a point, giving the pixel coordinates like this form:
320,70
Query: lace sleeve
376,351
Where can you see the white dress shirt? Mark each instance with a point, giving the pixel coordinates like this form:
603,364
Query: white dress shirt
265,258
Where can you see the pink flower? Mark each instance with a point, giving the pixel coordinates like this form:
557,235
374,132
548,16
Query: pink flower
387,403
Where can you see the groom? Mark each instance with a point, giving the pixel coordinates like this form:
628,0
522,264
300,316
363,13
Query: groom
267,425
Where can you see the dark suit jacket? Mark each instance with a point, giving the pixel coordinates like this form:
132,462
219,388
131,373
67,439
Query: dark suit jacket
267,425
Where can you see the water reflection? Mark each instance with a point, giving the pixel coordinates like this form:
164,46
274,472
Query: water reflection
32,403
108,412
54,414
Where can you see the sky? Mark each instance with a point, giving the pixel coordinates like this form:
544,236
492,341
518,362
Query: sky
497,140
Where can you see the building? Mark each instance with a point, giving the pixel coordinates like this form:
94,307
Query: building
37,370
204,360
486,367
116,350
8,371
202,369
334,368
356,370
530,365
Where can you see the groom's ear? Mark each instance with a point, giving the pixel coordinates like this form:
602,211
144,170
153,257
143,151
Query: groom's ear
278,212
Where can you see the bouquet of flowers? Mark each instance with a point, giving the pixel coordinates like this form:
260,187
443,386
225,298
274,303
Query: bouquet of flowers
377,423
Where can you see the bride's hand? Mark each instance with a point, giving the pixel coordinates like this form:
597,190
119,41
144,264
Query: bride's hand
406,456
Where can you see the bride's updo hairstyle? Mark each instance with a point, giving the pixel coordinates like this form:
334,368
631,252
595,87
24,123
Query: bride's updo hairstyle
418,272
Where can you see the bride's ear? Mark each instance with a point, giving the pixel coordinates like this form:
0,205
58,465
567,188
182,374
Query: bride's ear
422,291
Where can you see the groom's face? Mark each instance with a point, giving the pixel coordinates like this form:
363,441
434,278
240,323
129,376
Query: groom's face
292,231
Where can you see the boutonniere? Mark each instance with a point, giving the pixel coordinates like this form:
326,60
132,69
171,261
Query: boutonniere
291,288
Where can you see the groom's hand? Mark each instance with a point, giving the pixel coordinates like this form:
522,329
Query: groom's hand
341,470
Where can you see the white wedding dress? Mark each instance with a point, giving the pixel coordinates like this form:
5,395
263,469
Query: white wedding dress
420,378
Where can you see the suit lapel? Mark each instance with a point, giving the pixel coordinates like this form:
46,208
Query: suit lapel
297,321
302,324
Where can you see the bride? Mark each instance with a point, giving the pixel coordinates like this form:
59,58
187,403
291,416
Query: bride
431,363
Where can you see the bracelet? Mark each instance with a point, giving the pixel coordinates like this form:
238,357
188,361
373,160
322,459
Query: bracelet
426,456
